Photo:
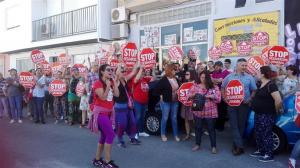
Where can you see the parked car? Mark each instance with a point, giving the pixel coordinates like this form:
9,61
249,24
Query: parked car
285,132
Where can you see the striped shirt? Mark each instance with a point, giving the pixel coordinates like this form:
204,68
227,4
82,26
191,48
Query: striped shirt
210,109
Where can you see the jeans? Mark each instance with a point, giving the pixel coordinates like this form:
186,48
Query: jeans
15,104
238,117
38,108
211,130
166,108
4,107
140,110
49,103
296,151
263,125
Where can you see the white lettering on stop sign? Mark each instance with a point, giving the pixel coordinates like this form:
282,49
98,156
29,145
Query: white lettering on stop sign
237,90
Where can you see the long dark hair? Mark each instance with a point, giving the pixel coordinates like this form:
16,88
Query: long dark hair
193,76
208,82
102,69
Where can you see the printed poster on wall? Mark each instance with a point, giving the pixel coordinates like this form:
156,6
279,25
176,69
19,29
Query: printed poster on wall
188,34
200,35
233,29
170,39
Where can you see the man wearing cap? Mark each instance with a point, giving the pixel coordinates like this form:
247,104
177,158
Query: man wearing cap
218,76
15,96
238,115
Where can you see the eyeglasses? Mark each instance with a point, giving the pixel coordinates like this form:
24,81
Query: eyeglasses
187,74
109,70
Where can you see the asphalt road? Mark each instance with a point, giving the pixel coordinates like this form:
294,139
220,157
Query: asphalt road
29,145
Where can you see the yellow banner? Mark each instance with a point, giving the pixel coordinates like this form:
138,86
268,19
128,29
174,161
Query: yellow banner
239,29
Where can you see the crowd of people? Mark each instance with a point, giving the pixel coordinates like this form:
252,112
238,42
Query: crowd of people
116,99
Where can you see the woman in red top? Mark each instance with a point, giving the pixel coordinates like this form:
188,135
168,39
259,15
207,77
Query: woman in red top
140,97
210,111
104,90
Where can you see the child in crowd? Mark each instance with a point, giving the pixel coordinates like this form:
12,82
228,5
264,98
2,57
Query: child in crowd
84,105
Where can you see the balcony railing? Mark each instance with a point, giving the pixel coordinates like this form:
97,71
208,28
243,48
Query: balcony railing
75,22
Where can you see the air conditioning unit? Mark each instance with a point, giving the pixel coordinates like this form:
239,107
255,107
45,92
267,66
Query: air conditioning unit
119,31
119,15
118,45
45,28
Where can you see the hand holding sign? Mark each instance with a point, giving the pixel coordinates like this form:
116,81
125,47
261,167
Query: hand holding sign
234,93
183,93
57,88
27,79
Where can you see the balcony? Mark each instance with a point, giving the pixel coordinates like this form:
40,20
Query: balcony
71,23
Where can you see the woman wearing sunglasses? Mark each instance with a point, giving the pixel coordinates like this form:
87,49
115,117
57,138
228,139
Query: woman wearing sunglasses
103,91
125,120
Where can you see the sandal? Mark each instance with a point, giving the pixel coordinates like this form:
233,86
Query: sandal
186,138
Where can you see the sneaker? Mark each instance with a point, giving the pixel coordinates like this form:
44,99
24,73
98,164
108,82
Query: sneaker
121,145
134,141
56,122
292,163
193,134
20,121
144,134
256,154
136,136
12,121
266,158
62,118
110,164
98,163
206,133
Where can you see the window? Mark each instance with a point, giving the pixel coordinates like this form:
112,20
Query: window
13,17
259,1
53,59
170,35
24,65
195,32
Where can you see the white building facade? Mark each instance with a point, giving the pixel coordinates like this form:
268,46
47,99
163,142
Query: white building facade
75,27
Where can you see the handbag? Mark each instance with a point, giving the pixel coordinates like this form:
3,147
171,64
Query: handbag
198,102
130,102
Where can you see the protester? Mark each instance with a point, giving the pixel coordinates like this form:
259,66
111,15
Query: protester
217,77
227,65
294,155
266,102
140,98
60,102
15,96
238,115
200,67
48,102
125,120
4,107
73,99
92,77
210,66
103,91
84,106
186,113
167,88
39,96
290,83
209,114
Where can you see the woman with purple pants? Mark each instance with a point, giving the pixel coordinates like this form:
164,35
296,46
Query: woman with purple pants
103,91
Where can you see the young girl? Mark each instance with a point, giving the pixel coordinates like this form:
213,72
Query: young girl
84,104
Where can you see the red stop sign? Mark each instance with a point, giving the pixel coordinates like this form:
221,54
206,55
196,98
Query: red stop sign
27,79
226,47
148,58
64,59
183,92
37,56
214,53
254,64
113,62
57,87
81,68
234,93
278,55
175,53
130,54
297,102
80,88
265,54
45,67
55,67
